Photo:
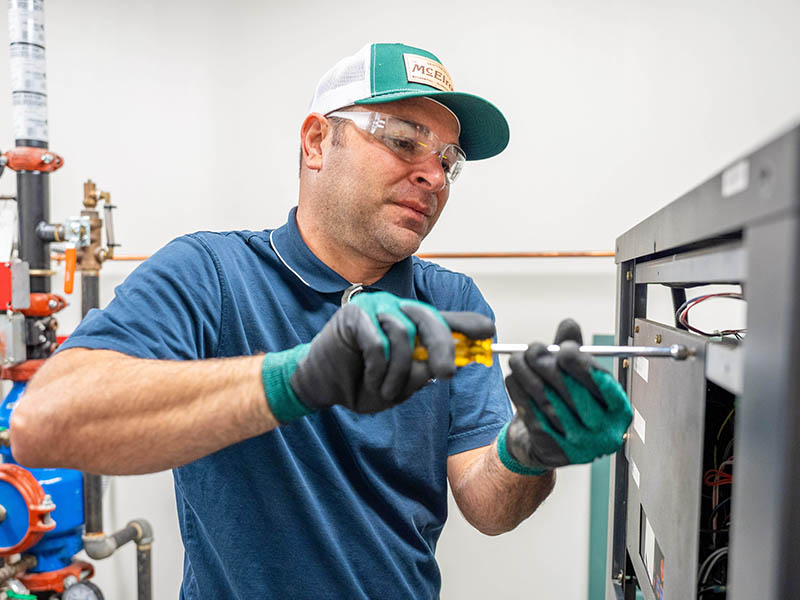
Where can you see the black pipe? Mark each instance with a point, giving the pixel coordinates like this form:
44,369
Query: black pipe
33,207
93,502
92,484
126,534
90,292
144,571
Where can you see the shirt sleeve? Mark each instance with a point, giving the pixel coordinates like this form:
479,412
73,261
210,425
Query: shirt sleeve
170,307
479,404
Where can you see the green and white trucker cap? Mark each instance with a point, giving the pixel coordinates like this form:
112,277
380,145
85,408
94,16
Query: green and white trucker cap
388,72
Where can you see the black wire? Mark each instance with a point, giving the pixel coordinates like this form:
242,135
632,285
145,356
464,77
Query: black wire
684,319
715,510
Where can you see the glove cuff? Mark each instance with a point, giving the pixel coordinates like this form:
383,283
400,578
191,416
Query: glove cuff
276,372
511,463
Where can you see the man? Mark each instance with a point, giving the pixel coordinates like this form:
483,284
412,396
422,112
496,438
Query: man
274,370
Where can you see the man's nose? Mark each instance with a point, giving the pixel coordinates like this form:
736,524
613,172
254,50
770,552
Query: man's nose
429,174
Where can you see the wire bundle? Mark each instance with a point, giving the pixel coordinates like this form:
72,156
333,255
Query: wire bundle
717,477
682,315
704,574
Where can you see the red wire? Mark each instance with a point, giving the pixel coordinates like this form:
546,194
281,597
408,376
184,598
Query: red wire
685,314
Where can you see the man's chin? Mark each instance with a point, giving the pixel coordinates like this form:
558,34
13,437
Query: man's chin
402,242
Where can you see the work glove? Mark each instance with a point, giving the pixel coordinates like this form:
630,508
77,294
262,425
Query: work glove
569,409
362,359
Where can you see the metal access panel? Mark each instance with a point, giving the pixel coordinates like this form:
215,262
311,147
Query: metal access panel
665,456
740,227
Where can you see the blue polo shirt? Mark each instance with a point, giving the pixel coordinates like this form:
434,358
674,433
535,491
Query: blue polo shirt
335,505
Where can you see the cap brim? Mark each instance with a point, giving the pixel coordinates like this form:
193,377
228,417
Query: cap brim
484,129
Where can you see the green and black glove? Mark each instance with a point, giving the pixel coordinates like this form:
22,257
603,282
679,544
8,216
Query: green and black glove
362,358
569,410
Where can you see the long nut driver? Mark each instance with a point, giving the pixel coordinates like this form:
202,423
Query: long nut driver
481,351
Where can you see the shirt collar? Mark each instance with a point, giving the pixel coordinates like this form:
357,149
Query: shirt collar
297,257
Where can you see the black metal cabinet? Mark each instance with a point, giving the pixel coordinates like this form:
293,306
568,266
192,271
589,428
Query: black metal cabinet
742,226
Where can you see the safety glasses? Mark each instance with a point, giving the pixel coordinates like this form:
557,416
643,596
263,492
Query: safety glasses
410,141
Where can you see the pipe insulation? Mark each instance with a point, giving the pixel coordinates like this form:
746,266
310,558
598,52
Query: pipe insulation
29,111
28,72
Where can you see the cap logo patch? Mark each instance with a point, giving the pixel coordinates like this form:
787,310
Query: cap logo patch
420,69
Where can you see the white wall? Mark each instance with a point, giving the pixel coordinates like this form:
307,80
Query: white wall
188,113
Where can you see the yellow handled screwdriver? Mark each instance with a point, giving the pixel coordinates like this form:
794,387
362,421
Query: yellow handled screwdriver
482,351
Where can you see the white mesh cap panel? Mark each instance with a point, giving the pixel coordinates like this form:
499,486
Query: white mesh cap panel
346,82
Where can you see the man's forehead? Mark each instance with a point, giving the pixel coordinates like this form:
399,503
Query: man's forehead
425,111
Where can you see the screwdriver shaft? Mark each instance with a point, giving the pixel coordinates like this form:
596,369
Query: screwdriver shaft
676,351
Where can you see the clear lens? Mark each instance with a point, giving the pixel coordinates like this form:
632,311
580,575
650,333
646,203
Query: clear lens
410,141
453,159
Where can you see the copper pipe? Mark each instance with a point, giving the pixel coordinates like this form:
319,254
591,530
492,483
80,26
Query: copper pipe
60,257
129,257
546,254
428,255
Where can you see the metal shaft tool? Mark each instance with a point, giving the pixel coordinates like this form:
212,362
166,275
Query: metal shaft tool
481,351
675,351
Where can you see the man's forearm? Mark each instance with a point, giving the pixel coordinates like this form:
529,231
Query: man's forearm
495,500
105,412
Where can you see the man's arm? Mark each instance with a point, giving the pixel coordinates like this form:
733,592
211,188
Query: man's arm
569,411
493,499
105,412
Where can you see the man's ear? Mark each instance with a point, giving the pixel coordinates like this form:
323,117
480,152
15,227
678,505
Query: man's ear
314,130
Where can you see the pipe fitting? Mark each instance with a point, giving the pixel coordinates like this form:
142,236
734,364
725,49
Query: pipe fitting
49,232
28,561
145,531
99,545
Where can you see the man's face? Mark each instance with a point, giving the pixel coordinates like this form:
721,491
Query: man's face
375,202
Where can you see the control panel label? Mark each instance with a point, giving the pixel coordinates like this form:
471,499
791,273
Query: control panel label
639,425
736,179
635,474
642,367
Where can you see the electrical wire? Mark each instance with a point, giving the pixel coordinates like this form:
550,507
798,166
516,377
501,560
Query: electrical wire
682,315
714,478
719,433
714,589
709,563
715,510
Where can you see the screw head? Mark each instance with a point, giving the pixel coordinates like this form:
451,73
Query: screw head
625,363
628,276
658,338
70,580
51,304
47,158
636,329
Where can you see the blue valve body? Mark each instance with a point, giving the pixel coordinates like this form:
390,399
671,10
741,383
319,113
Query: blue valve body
64,486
